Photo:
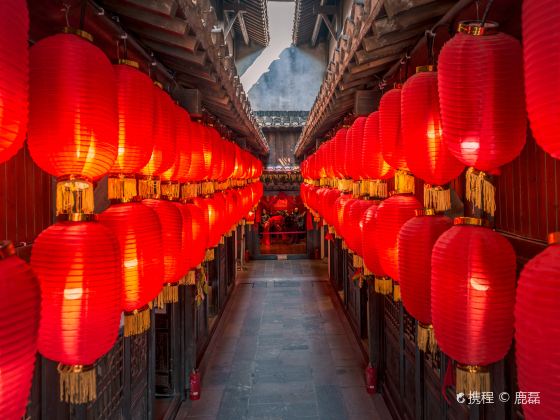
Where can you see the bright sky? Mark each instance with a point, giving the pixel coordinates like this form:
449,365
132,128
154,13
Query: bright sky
280,18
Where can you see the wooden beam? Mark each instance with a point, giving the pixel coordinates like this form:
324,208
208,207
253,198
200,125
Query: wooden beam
374,64
191,57
316,30
243,27
164,23
186,42
363,56
162,7
394,7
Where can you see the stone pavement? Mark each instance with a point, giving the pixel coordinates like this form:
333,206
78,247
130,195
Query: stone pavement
282,351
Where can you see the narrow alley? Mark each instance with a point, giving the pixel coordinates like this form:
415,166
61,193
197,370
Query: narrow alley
284,351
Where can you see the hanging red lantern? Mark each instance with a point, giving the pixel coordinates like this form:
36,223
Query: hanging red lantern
339,148
163,153
355,239
426,154
171,221
480,75
540,34
14,85
536,335
79,270
339,206
374,167
390,135
135,105
199,234
138,231
18,340
209,210
391,215
73,124
415,242
354,165
372,263
473,295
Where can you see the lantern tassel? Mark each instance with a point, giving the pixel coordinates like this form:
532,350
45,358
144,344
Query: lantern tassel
77,383
480,191
149,187
171,190
169,294
396,292
137,322
472,379
378,189
366,271
437,198
74,196
209,255
404,182
357,261
383,285
344,246
190,278
122,188
425,338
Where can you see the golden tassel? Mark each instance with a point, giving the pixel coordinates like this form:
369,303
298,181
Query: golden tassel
77,383
378,189
383,285
209,255
149,187
169,294
120,187
357,261
137,321
222,240
188,191
190,278
74,196
480,191
404,182
171,190
356,189
364,187
425,338
344,246
331,230
472,379
366,271
396,292
437,198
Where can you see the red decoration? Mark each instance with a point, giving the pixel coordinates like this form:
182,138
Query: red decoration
18,341
373,164
354,230
179,171
199,233
339,150
196,170
73,122
390,135
536,332
14,86
135,105
481,97
163,153
354,156
540,33
415,242
79,270
340,204
138,231
473,294
391,215
210,212
369,232
171,222
426,154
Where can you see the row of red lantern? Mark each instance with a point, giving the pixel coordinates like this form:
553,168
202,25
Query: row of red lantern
117,264
447,274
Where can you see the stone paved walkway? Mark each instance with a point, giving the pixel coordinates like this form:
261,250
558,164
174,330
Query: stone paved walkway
282,351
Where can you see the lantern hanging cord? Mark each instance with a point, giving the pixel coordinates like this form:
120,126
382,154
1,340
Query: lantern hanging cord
430,38
486,11
83,12
66,10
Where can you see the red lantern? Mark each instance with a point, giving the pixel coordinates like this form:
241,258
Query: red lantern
536,334
339,205
339,149
415,242
179,171
73,124
199,234
355,214
138,231
354,156
18,341
14,86
210,212
135,104
171,222
426,154
480,75
73,121
473,295
540,34
374,166
79,270
390,135
163,153
391,215
369,233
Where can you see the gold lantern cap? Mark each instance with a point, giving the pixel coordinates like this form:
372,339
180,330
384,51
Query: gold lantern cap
425,212
78,32
424,69
477,28
130,63
471,221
